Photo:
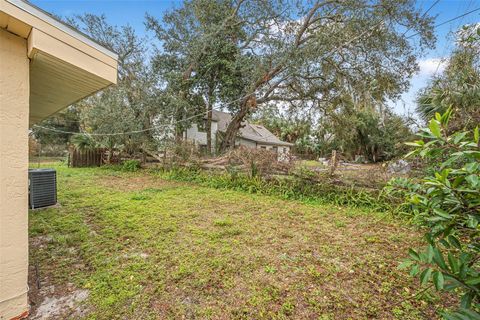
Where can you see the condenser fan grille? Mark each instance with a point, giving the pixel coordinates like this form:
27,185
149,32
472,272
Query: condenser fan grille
42,188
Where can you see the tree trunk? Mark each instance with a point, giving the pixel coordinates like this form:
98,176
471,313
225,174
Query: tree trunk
208,128
208,125
228,141
179,132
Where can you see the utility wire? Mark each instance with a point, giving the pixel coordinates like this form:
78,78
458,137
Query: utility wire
442,58
203,113
423,15
197,115
450,20
142,130
119,133
460,16
130,132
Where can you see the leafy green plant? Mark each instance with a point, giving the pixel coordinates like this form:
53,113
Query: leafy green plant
131,165
447,203
83,142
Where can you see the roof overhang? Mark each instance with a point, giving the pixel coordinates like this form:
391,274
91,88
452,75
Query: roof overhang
65,65
265,142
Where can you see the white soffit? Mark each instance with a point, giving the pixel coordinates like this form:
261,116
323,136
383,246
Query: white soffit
55,84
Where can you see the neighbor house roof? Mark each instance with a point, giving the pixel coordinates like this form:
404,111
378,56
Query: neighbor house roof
248,131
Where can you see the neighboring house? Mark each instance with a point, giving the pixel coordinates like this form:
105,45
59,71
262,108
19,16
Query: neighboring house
249,135
45,66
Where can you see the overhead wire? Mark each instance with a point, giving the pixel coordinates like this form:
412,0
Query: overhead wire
189,118
442,58
120,133
423,15
448,21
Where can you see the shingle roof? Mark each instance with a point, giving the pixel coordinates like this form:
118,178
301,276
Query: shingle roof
253,132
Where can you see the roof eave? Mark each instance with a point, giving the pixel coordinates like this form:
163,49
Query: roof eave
48,18
281,143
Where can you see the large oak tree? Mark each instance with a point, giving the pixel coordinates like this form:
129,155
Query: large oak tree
308,54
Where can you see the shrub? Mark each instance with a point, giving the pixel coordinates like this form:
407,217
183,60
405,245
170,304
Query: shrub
131,165
184,152
447,202
254,161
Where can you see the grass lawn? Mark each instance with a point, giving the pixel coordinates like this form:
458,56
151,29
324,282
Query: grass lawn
139,247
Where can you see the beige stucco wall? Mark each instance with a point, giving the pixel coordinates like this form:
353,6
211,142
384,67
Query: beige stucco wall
14,111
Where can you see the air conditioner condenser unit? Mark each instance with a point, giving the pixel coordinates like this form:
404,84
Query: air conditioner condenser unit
42,189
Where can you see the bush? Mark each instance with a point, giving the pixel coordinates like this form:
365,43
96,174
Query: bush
131,165
253,162
184,152
447,202
256,162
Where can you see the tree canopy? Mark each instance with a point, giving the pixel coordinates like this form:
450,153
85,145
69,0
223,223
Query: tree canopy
308,54
331,65
459,84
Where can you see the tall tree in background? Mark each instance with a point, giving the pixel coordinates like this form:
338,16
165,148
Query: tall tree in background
375,136
132,104
303,53
459,84
67,120
198,60
292,127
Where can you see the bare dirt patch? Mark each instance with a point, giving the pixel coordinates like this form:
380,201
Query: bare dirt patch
59,307
52,302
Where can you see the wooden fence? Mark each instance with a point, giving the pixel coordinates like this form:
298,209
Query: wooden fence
85,158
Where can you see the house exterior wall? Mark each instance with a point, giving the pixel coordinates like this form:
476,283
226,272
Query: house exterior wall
282,151
14,114
200,138
65,66
246,143
264,146
24,13
258,145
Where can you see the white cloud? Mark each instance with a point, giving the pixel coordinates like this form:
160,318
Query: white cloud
431,66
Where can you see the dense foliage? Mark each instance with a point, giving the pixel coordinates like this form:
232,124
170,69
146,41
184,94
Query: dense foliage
67,120
447,203
372,135
376,137
317,58
130,106
458,85
131,165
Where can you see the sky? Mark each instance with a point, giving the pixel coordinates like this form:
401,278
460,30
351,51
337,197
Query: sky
121,12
